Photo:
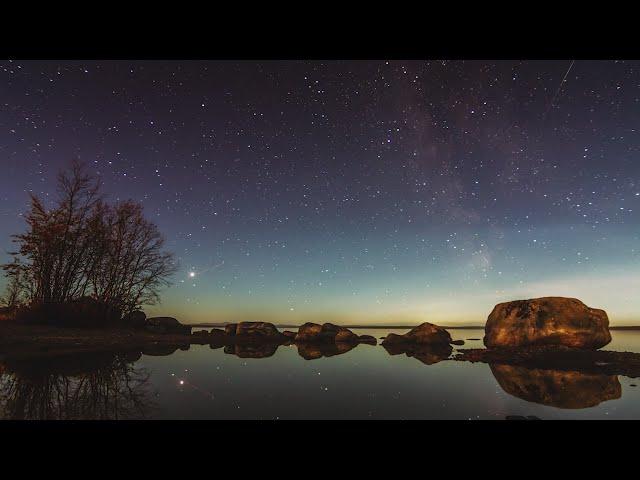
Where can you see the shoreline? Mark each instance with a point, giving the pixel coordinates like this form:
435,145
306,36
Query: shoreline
392,327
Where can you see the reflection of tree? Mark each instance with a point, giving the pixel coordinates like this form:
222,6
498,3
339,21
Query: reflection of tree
96,386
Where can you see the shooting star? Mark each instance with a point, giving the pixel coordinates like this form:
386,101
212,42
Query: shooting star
559,87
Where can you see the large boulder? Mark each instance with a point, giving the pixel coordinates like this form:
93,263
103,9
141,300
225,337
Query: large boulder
547,321
424,334
166,325
328,332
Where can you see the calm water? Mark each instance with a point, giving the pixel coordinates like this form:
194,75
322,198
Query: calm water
363,383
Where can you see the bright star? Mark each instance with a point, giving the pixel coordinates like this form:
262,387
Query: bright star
192,274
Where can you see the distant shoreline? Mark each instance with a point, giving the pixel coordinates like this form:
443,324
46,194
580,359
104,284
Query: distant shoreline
390,327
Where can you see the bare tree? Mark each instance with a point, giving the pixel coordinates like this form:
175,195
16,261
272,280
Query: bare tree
84,247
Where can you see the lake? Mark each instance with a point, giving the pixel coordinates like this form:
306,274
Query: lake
366,382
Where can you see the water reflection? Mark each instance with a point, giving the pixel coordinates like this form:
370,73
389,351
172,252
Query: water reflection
315,351
258,350
69,387
557,388
427,354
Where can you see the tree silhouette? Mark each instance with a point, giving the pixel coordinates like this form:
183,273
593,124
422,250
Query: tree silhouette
85,251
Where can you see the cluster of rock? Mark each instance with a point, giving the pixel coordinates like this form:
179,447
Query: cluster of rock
523,324
328,333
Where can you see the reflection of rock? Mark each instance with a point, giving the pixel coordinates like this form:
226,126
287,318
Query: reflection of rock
159,350
313,351
327,332
557,388
166,325
547,320
427,354
252,350
368,339
426,333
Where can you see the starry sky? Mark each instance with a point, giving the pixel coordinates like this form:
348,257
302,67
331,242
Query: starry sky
358,192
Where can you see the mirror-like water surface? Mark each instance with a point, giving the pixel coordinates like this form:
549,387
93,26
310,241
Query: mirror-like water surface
365,382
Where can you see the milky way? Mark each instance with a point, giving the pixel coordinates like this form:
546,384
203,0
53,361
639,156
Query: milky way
354,191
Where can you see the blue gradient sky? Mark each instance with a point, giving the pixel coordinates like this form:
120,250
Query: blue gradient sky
387,192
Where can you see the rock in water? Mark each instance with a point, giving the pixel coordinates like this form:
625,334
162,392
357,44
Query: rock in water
166,325
262,329
425,334
547,321
328,332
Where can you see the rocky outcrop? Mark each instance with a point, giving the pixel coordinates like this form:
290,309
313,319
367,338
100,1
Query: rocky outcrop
289,334
424,334
166,325
557,388
547,321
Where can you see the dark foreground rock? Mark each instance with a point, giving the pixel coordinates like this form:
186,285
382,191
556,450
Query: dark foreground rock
556,357
557,388
166,325
426,353
424,334
135,319
547,321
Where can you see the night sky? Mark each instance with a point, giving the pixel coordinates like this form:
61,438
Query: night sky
387,192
